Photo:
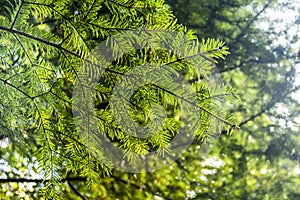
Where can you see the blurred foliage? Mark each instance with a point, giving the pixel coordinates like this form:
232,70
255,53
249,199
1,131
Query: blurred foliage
262,158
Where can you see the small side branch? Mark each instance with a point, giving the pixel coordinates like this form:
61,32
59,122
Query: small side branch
26,180
76,191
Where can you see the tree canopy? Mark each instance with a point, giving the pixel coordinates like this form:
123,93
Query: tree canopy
74,74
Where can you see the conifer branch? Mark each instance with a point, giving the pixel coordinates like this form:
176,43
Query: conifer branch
28,180
17,14
197,105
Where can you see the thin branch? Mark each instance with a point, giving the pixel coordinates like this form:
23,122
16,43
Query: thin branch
39,40
13,86
252,21
269,106
119,4
65,18
15,19
252,61
26,180
196,105
90,9
57,46
136,185
24,49
76,191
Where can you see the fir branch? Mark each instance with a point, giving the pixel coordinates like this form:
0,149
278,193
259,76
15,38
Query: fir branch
39,40
107,28
90,9
47,139
119,4
17,14
50,44
27,180
197,105
22,46
63,17
16,88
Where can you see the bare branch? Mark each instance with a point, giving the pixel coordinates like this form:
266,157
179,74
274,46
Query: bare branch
270,105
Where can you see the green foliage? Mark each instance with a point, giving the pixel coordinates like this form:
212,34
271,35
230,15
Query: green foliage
43,45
